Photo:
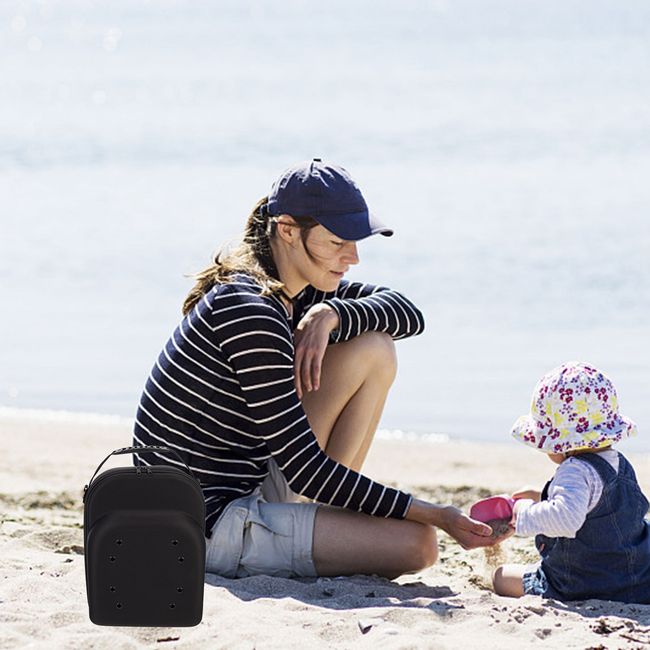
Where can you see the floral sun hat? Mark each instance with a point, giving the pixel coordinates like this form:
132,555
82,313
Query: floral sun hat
574,407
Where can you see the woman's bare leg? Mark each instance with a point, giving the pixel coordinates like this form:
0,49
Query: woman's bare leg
347,542
508,580
345,411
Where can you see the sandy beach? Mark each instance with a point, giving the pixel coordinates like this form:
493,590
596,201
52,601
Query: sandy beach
47,459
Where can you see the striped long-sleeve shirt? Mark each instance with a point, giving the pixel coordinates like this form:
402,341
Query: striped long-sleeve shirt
222,394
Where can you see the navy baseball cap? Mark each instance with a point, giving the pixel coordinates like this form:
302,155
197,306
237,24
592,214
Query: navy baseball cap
328,194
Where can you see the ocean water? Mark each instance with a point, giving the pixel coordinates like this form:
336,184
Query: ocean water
507,142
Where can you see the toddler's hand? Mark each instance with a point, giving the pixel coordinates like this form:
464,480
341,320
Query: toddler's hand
520,504
527,493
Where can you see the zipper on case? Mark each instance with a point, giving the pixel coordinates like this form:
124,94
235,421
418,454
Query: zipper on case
138,471
128,470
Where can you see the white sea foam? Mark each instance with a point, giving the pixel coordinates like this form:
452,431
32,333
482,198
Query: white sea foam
103,419
411,436
50,415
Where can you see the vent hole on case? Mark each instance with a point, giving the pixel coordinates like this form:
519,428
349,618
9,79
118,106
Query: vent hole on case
118,541
181,558
119,605
179,589
174,542
111,588
112,558
172,605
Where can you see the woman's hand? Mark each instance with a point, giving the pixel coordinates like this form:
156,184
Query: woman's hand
469,533
310,342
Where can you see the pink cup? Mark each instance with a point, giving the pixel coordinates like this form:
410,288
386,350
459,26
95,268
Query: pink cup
498,507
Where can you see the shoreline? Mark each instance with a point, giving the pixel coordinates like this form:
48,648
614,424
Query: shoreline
436,459
109,419
47,461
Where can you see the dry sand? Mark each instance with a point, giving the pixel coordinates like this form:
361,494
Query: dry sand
46,461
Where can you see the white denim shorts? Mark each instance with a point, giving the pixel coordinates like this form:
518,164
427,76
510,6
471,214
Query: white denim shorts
264,533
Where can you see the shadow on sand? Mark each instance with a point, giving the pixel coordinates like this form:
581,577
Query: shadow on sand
350,592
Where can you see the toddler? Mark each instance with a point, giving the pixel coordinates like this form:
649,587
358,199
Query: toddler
589,520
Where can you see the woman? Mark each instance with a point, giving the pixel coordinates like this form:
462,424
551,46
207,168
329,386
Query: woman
250,392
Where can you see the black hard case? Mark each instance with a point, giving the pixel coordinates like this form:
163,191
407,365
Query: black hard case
144,545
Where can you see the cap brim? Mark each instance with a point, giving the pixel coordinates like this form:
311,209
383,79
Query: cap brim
354,226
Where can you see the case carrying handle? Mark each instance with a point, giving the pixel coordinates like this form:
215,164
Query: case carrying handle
135,450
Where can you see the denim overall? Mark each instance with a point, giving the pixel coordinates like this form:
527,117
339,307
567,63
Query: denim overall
610,556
